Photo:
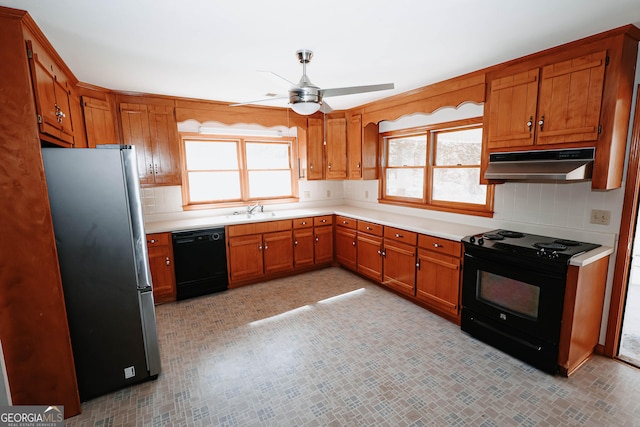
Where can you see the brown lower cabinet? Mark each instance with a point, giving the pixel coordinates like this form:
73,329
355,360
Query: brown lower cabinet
323,238
303,242
424,268
163,277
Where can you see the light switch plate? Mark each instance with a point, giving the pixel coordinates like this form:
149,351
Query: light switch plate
129,372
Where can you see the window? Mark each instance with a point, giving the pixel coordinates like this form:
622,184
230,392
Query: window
234,171
436,167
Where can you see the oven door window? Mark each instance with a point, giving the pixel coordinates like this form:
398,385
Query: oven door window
508,294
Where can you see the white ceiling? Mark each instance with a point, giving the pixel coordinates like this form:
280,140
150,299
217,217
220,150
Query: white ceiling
213,49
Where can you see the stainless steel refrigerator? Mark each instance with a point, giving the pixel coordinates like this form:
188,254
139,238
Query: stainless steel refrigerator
99,230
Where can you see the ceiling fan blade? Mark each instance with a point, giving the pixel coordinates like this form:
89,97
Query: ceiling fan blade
259,101
279,80
355,89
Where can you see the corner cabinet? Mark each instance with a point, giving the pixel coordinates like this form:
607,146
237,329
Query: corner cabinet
53,97
99,122
154,131
163,276
327,160
556,104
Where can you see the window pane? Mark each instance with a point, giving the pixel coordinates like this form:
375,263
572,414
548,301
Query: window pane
458,185
267,155
461,147
405,182
407,151
269,184
209,155
209,186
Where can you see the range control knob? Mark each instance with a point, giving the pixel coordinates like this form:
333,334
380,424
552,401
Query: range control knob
472,239
481,241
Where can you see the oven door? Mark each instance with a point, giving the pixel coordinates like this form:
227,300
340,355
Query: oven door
526,298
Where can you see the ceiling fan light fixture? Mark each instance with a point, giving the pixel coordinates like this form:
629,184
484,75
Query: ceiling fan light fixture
305,108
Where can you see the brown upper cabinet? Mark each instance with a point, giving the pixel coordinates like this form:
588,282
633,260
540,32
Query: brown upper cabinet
154,132
327,160
52,89
98,121
362,149
556,104
576,95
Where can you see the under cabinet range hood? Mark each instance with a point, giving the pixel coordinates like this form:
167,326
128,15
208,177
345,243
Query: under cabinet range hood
549,165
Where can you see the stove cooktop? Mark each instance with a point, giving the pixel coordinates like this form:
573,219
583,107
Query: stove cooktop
528,245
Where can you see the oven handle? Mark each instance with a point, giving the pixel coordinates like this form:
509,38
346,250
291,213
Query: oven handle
506,335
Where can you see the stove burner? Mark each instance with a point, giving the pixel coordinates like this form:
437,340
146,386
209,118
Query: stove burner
567,242
492,236
554,246
507,233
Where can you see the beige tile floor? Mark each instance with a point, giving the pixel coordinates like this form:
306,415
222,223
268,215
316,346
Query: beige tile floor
331,349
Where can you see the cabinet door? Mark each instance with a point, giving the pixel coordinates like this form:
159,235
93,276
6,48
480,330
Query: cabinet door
278,252
315,148
44,91
98,122
512,110
438,280
63,107
303,244
336,149
161,265
245,257
369,256
354,147
346,250
135,131
163,131
369,166
323,244
570,100
400,267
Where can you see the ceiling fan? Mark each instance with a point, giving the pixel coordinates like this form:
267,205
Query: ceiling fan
306,98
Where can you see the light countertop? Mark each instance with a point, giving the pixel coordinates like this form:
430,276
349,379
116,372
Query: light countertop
437,228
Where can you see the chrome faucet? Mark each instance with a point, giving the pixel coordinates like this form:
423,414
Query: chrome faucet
253,207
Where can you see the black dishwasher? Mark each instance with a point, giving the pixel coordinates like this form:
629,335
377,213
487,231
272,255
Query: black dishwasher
200,262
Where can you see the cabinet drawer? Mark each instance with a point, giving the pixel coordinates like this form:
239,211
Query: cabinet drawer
439,245
323,220
370,227
344,221
158,239
258,227
408,237
302,223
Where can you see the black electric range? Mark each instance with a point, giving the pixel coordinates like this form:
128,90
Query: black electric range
533,247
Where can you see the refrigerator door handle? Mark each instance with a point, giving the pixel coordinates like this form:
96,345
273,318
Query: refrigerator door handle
150,332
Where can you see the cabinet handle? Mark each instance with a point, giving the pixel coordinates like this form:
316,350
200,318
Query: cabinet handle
167,261
358,165
380,252
418,265
323,221
295,243
530,123
317,240
150,169
329,166
345,222
353,243
369,228
541,122
266,247
156,169
400,236
437,245
259,247
304,222
311,166
152,241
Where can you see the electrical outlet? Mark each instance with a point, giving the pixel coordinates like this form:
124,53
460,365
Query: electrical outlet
328,193
600,217
129,372
366,194
307,194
